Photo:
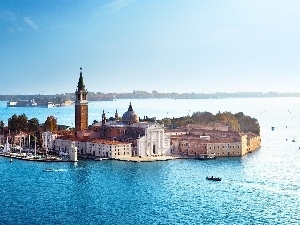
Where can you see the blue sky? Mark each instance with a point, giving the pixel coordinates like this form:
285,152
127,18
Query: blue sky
201,46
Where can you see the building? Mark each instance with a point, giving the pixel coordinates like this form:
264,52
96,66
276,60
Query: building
93,148
196,142
48,138
154,142
147,138
81,106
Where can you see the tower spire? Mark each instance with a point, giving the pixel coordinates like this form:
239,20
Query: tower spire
116,115
80,85
103,118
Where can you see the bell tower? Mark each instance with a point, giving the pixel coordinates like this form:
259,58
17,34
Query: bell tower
81,105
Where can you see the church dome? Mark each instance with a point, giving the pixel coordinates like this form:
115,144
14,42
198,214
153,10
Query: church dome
130,116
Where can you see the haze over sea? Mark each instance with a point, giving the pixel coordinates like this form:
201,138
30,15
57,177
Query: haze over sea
259,188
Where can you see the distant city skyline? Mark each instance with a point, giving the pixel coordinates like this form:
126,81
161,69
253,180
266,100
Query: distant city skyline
126,45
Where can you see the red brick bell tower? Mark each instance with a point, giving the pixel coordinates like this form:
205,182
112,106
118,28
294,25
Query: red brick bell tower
81,105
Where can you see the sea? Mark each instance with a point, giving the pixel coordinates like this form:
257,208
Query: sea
260,188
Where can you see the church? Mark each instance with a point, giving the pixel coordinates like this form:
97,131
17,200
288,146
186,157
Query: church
122,137
147,138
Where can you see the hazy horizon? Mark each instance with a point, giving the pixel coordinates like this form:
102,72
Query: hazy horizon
125,45
149,92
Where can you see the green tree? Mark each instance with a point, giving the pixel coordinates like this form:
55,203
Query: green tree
33,125
2,125
167,122
62,127
94,122
247,123
203,117
50,124
18,123
227,118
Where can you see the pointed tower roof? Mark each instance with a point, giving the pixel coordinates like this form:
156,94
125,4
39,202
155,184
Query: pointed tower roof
81,85
130,107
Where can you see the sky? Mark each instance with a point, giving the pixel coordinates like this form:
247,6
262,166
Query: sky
183,46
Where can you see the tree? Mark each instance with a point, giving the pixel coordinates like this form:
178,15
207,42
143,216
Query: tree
1,125
247,123
50,124
33,125
227,118
17,123
94,122
167,122
203,117
62,127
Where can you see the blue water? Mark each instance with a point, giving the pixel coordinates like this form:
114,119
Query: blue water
260,188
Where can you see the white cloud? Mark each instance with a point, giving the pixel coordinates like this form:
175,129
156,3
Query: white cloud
7,15
14,29
118,4
30,22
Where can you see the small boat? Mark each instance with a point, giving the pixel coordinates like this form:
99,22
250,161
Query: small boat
213,178
206,157
49,170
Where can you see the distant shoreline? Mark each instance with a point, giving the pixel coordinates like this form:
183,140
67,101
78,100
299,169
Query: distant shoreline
92,96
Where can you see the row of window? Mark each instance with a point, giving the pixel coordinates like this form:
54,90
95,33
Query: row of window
224,147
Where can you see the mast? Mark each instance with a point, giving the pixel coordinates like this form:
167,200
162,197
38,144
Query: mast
29,142
34,146
20,144
46,144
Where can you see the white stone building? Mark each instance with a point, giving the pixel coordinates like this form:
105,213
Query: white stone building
95,148
155,142
48,138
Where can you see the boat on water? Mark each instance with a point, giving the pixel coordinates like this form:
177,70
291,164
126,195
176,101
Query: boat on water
206,156
48,170
213,178
32,103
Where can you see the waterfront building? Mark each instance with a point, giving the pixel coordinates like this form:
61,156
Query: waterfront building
147,138
19,140
155,142
93,148
196,142
81,106
48,138
228,147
